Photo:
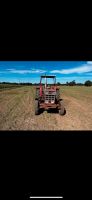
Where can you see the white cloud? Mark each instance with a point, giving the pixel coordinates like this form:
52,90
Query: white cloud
89,62
82,69
26,71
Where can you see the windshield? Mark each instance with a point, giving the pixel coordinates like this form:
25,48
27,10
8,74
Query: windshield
48,81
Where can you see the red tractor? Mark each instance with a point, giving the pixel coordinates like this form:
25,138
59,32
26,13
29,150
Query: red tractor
48,96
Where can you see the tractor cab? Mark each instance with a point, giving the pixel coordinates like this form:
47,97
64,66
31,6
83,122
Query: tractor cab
47,84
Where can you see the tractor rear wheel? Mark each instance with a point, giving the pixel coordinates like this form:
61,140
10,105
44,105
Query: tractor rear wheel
36,107
62,109
58,95
37,93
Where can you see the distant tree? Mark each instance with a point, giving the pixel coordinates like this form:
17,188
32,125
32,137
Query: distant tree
72,83
3,82
88,83
58,83
80,84
67,83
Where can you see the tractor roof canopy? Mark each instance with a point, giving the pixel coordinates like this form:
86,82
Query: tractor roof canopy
48,76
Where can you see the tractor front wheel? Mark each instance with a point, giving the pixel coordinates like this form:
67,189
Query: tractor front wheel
62,109
36,107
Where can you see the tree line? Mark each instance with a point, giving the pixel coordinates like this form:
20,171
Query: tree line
72,83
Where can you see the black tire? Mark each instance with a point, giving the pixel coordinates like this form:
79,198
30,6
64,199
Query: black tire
37,93
62,109
36,107
57,95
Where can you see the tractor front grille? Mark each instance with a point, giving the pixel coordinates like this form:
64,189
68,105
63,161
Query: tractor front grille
49,98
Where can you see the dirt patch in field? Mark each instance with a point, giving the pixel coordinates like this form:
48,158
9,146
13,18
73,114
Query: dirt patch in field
17,111
78,115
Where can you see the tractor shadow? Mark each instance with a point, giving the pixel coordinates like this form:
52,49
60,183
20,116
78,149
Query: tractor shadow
55,111
51,111
41,111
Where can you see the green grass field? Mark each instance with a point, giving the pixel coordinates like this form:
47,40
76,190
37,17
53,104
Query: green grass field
8,86
79,92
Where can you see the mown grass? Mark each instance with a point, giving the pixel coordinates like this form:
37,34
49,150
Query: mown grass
78,92
9,86
17,109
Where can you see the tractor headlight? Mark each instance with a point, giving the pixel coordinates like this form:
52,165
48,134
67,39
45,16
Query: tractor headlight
52,101
46,101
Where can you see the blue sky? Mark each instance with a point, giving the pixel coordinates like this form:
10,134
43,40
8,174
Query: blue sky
30,71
